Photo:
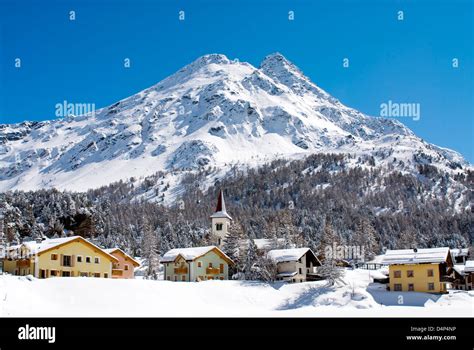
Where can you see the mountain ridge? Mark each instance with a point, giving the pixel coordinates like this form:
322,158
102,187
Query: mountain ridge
212,112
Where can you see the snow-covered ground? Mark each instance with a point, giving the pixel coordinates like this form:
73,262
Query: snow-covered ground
29,297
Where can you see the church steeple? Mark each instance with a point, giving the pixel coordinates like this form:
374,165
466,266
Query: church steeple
220,208
220,220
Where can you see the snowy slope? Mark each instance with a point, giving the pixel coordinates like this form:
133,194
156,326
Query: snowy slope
214,111
96,297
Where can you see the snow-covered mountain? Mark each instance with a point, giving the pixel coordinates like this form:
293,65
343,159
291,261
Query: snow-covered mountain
213,112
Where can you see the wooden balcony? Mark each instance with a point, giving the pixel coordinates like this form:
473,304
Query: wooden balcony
117,272
180,270
23,263
212,271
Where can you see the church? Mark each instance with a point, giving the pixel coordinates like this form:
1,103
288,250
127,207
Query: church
202,263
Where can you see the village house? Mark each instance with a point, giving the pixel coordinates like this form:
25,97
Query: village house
295,265
58,257
460,255
419,270
125,266
464,276
196,264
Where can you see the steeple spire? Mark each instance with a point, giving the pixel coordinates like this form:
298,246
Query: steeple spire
221,211
220,202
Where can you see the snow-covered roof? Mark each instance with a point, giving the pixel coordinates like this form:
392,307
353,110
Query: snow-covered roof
221,214
420,256
282,255
378,259
469,266
190,254
460,252
35,247
286,274
263,244
112,250
459,268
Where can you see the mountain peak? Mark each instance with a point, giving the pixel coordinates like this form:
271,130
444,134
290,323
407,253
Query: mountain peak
276,64
211,113
213,58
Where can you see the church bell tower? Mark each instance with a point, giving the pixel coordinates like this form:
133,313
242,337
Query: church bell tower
220,221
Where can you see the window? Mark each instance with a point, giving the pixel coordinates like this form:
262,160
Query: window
83,274
79,259
54,256
199,263
430,273
411,287
307,270
430,286
221,278
54,273
221,268
67,261
397,287
175,278
168,278
410,273
125,267
183,278
397,274
219,227
300,271
88,259
210,264
96,260
106,275
96,274
66,274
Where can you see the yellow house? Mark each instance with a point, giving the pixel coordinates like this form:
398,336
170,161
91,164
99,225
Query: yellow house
196,264
419,270
59,257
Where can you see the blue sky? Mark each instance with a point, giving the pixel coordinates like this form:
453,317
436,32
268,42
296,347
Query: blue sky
407,61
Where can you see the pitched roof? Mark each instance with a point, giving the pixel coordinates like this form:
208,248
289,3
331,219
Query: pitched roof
460,252
190,254
52,243
469,266
283,255
46,244
420,256
113,250
221,211
459,268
